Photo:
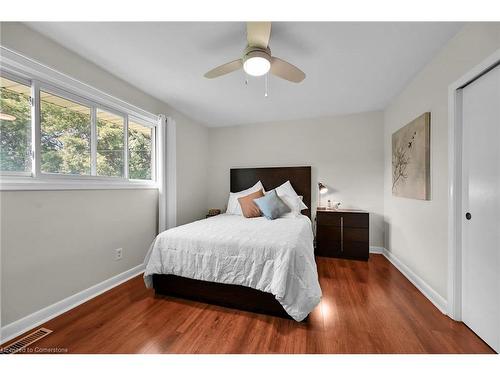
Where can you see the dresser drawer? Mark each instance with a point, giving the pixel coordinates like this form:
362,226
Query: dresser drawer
355,234
354,220
355,250
328,240
328,218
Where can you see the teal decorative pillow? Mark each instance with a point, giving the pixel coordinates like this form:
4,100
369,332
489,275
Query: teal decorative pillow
272,206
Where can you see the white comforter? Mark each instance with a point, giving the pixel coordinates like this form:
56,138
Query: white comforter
274,256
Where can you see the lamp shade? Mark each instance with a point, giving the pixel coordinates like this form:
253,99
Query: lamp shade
322,188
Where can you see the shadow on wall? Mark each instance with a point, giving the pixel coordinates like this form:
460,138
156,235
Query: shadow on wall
387,234
377,225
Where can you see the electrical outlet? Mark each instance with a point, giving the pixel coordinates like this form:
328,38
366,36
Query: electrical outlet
118,254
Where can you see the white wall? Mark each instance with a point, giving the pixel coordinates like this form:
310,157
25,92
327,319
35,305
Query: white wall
44,231
345,153
416,231
192,161
57,243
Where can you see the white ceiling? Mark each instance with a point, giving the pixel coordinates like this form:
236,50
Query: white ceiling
350,67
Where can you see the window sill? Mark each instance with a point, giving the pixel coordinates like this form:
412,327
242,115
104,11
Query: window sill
29,183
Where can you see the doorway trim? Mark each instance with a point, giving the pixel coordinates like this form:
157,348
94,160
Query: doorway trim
455,129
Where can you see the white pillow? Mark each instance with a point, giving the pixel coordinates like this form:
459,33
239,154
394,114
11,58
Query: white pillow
293,203
287,189
233,206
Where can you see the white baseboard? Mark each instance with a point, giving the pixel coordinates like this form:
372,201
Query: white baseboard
33,320
376,250
433,296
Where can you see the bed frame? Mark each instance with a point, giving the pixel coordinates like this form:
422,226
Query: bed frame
236,296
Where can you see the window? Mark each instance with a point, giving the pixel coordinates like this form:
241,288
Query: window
57,132
15,126
110,144
65,135
140,146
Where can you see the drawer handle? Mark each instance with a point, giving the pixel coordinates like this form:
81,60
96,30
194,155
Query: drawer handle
342,234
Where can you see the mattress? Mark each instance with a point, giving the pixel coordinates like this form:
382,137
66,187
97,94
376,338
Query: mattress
273,256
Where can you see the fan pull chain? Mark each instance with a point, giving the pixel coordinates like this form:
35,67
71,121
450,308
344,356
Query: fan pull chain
246,79
267,85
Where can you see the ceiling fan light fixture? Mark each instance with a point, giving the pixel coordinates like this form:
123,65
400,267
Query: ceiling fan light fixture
257,63
257,59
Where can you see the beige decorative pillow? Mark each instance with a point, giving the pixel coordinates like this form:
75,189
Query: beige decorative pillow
248,207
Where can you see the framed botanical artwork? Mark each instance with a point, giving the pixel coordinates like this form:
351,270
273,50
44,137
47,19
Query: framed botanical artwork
411,159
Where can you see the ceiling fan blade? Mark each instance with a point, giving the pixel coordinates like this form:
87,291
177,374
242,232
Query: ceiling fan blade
287,71
258,34
224,69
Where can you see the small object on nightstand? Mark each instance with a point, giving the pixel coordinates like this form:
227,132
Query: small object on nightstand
213,212
342,233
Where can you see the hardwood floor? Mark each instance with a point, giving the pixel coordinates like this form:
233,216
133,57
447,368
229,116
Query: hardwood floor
367,307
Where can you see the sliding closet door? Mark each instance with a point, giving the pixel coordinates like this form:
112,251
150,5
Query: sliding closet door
481,203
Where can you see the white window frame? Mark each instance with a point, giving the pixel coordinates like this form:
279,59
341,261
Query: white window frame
52,90
95,139
154,164
27,82
43,78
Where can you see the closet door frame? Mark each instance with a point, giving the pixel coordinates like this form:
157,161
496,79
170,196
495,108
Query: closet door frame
455,188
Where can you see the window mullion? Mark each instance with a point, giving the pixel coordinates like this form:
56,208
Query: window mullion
36,138
93,141
154,155
125,148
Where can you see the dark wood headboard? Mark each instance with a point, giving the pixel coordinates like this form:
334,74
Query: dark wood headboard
300,178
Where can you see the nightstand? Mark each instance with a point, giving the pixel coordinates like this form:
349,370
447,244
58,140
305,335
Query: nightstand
208,215
213,212
342,234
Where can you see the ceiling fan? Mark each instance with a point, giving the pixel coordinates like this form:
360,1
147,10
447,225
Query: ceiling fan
257,59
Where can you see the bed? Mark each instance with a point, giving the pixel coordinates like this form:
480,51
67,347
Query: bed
260,265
